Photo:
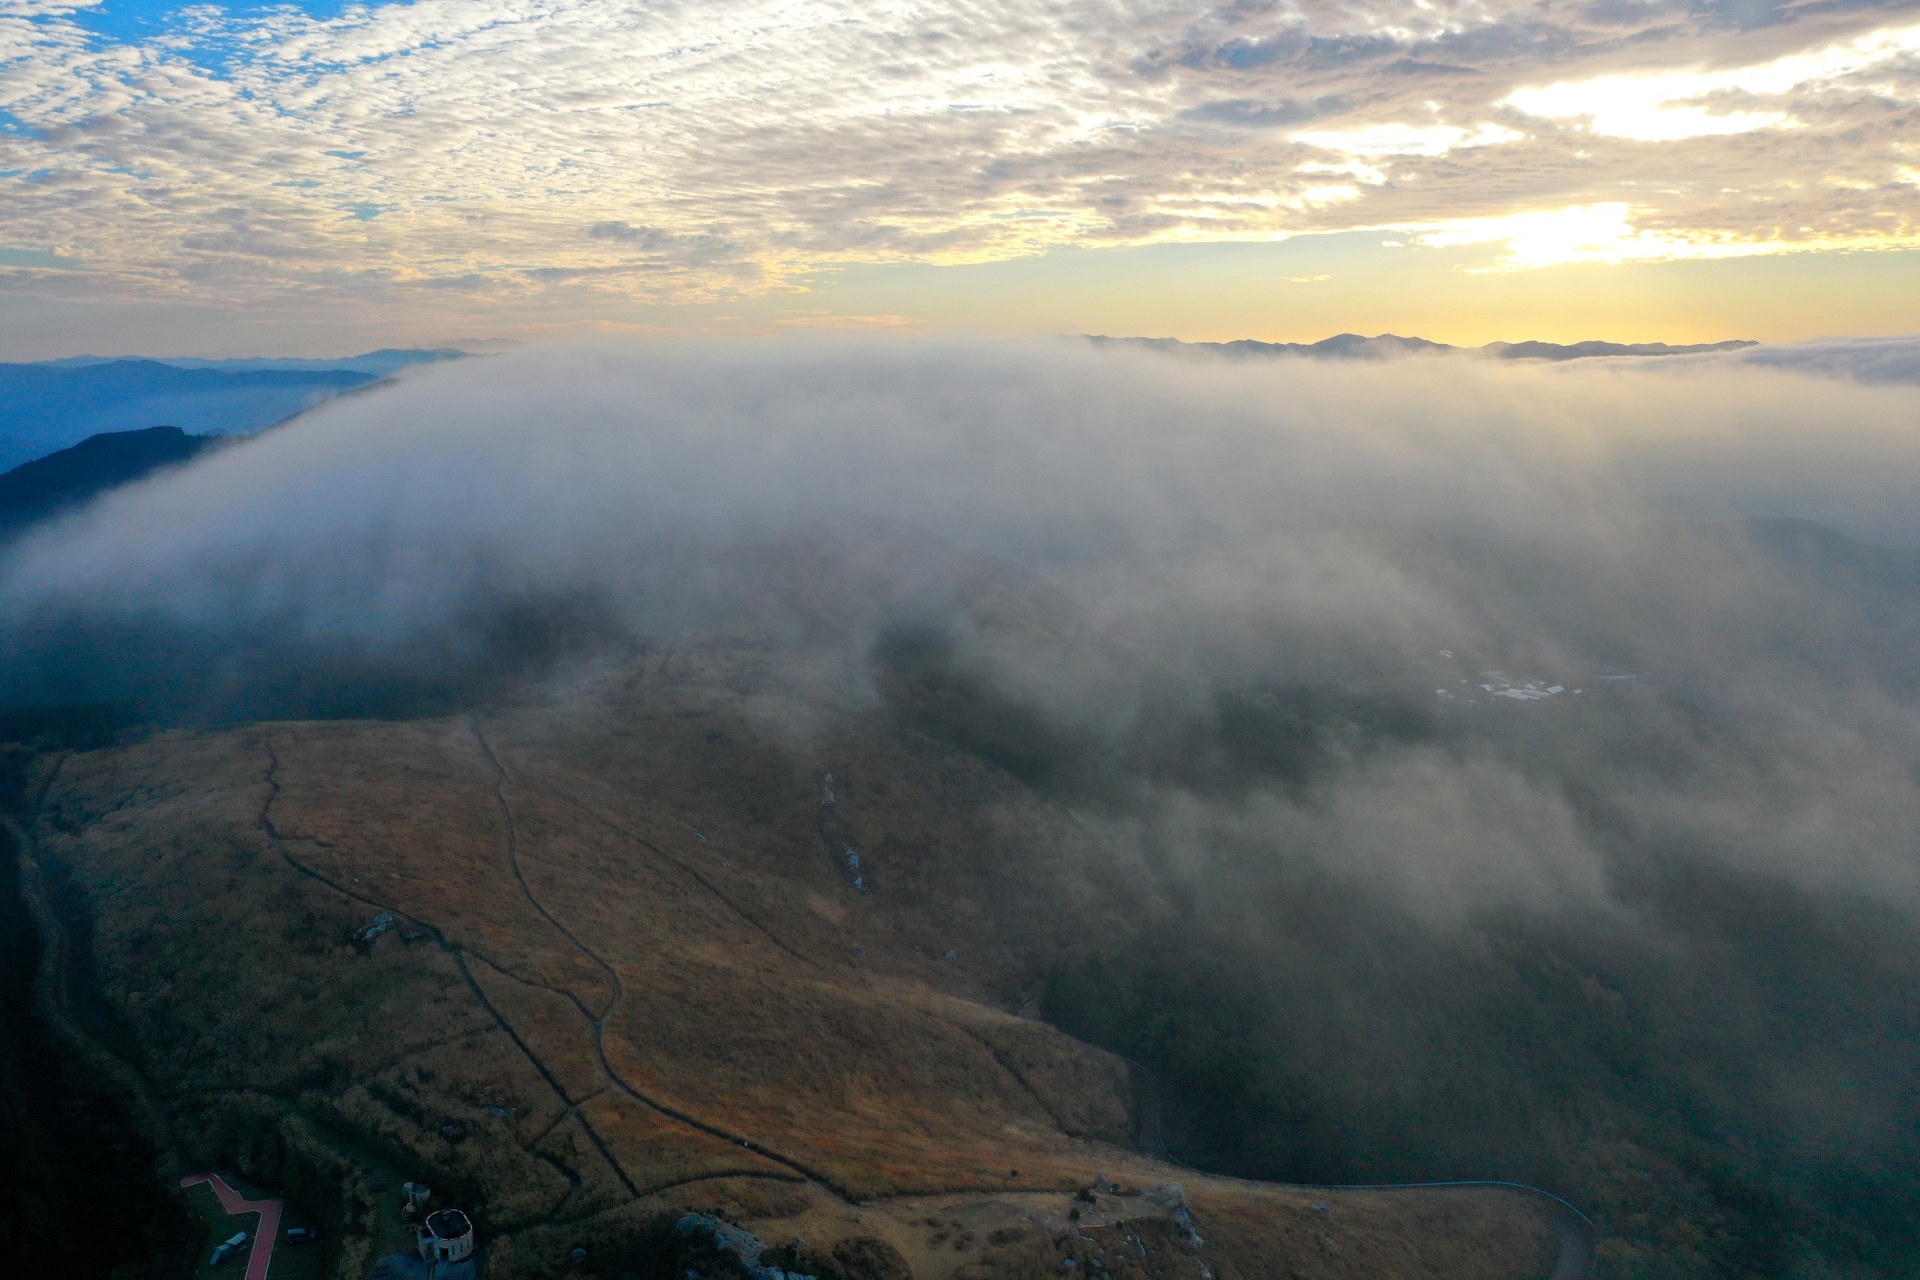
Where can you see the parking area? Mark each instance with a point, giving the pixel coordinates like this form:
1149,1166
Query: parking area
225,1205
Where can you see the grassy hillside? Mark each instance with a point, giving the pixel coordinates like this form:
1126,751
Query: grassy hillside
631,972
64,480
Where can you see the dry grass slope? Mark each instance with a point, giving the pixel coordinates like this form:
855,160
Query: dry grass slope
631,972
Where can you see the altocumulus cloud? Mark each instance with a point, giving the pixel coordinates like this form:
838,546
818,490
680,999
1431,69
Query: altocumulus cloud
257,154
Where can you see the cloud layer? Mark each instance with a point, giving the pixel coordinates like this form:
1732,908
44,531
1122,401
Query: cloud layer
1645,933
670,152
1135,551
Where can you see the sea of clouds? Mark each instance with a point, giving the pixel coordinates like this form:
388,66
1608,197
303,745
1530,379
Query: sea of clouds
1116,540
1232,619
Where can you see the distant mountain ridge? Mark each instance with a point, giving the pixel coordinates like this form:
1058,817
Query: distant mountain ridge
51,406
1390,346
385,361
62,481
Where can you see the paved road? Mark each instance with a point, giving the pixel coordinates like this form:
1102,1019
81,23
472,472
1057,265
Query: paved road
265,1236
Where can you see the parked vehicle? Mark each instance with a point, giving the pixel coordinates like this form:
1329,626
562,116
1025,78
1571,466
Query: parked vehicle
228,1247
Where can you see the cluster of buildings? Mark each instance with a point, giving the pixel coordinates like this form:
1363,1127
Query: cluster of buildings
1496,684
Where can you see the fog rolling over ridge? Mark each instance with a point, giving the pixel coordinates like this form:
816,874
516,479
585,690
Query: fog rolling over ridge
1647,932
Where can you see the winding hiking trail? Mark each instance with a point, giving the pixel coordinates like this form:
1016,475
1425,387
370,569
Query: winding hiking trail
458,955
595,1019
1576,1260
266,1233
600,1004
598,1021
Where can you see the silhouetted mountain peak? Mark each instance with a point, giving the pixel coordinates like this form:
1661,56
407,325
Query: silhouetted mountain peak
60,481
44,407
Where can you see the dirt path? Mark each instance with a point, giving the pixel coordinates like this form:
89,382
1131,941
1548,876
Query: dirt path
597,1022
1576,1261
458,954
265,1235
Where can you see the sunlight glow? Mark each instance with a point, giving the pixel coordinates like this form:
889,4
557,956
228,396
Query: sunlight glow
1405,139
1583,233
1670,106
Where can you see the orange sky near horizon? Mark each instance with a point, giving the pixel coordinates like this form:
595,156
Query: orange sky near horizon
317,177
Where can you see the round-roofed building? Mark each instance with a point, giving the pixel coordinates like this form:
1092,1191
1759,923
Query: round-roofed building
446,1236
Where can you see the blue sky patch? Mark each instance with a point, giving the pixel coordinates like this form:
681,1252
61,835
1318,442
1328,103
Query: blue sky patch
34,258
140,21
133,20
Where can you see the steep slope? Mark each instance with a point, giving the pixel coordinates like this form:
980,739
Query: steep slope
41,488
385,361
634,967
48,407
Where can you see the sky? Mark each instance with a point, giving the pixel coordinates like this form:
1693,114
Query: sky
308,179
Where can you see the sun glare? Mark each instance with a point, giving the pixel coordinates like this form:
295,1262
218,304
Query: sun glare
1602,233
1405,139
1673,106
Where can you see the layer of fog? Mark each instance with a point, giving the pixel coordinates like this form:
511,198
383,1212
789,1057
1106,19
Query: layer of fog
1114,541
1871,360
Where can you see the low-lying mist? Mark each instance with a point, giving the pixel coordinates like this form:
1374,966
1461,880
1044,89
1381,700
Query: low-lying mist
1529,757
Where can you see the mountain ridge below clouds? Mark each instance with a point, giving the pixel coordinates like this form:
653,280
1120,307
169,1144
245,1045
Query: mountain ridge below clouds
45,487
44,407
386,360
1386,346
50,405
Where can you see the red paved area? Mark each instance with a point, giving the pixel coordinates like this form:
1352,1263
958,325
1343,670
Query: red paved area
265,1236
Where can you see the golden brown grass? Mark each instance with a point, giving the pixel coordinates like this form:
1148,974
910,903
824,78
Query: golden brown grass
738,985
